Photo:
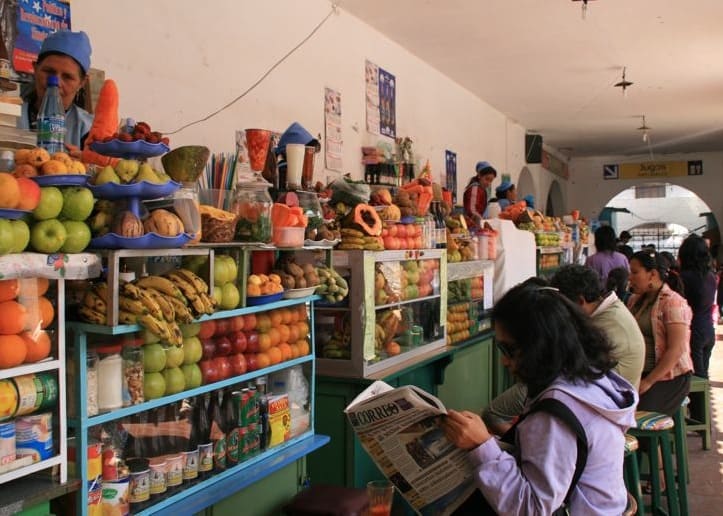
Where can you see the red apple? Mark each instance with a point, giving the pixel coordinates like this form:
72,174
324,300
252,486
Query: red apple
207,329
208,349
249,322
252,341
224,367
209,371
251,363
223,346
238,364
238,341
223,327
237,323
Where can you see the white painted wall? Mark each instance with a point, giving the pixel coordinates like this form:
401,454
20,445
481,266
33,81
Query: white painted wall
178,60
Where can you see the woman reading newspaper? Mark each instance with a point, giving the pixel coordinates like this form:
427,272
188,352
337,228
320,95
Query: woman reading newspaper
569,457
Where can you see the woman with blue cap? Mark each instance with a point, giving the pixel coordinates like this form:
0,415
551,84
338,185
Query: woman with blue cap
65,54
506,194
475,193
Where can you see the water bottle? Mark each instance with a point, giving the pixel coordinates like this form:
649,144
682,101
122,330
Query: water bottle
51,119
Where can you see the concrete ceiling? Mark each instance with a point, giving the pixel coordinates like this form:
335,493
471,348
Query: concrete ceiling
548,69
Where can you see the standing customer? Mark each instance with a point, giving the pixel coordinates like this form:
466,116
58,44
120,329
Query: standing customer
664,319
554,349
67,55
475,194
606,257
699,283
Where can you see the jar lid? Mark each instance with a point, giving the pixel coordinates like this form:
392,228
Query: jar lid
108,349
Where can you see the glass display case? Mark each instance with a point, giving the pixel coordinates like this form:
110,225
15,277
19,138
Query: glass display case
469,299
396,311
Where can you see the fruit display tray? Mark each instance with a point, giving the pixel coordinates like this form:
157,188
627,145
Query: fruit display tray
262,300
295,293
140,190
147,241
9,213
137,149
62,180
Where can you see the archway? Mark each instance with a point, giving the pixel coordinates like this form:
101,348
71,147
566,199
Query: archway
662,214
526,185
555,200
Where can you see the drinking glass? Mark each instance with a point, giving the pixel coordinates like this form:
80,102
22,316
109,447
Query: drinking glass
380,493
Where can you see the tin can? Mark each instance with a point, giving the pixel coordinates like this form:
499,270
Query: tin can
243,448
239,400
190,464
34,436
115,497
35,392
174,470
158,476
8,399
7,442
95,461
205,457
95,499
139,484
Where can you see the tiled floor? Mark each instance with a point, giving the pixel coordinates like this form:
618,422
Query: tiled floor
705,491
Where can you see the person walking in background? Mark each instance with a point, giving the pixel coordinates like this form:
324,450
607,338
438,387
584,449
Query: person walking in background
699,283
562,359
475,193
606,258
664,317
623,246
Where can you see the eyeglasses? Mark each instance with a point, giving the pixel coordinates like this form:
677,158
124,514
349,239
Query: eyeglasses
506,348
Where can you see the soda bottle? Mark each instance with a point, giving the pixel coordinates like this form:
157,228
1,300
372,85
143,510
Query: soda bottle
217,434
190,456
205,446
51,119
231,429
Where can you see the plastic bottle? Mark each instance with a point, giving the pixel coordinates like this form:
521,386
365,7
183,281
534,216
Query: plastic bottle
51,119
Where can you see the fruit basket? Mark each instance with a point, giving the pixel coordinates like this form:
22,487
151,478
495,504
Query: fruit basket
295,293
12,214
265,299
137,149
62,180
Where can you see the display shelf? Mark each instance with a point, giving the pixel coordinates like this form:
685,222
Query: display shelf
549,249
406,302
469,269
26,493
57,460
47,365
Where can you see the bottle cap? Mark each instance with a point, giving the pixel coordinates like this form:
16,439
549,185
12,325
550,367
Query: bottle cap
53,80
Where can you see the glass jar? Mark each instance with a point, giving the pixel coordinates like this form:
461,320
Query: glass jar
252,204
309,203
187,206
91,384
110,368
132,354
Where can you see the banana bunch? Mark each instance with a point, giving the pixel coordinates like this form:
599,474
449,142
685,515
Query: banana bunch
193,289
339,344
95,304
332,285
146,306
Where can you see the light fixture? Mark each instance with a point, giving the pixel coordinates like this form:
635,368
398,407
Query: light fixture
644,127
584,7
624,83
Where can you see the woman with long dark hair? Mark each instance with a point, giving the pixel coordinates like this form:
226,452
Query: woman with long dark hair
664,319
552,347
699,283
606,257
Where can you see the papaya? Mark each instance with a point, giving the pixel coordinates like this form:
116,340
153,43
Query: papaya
364,218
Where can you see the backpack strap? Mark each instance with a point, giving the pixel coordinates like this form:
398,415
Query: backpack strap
560,411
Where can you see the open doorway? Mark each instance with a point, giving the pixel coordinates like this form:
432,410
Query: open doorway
555,201
661,214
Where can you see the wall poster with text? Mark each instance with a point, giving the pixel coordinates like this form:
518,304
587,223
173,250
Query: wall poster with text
387,104
372,97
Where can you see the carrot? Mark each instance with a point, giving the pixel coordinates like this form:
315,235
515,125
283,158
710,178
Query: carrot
105,118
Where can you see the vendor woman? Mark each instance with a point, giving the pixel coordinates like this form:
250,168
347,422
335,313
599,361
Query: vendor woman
475,193
506,194
65,54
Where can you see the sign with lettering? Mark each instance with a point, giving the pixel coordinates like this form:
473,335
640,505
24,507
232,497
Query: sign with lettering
34,21
653,169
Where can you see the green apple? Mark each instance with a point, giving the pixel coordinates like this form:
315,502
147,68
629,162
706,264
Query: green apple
224,269
175,381
154,358
50,205
192,350
230,296
190,330
21,235
154,386
149,337
48,236
78,236
78,203
107,175
192,375
218,294
7,237
174,356
195,263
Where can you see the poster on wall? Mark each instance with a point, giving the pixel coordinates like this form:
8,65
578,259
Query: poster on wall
34,20
387,104
450,165
372,97
332,122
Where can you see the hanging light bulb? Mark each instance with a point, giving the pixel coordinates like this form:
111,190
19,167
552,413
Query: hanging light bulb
623,83
584,9
644,127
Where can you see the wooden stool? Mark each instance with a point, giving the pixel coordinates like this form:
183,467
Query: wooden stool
681,457
631,474
700,422
653,431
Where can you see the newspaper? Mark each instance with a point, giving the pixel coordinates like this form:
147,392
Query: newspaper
400,429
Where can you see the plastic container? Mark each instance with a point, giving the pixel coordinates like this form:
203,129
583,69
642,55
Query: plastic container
132,355
110,369
289,237
51,119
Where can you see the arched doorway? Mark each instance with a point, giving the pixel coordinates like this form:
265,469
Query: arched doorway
555,201
662,214
525,185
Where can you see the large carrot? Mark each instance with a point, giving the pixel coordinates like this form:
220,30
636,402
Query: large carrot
105,123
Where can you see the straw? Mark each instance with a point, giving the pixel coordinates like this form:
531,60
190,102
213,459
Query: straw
220,172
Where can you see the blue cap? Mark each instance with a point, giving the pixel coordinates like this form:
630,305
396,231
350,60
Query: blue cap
506,185
530,200
485,166
295,133
73,44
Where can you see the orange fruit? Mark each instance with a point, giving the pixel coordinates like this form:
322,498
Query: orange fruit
9,289
263,323
12,351
40,312
263,360
301,313
294,351
33,287
287,315
293,333
37,345
283,332
303,328
286,352
250,322
275,335
264,341
253,290
276,317
304,348
274,355
13,317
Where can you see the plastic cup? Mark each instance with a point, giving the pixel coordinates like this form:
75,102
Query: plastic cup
380,494
294,164
257,142
307,173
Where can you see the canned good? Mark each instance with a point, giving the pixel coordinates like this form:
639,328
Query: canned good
158,476
190,464
8,399
114,467
35,392
95,498
205,457
115,497
95,461
139,484
7,442
174,470
34,436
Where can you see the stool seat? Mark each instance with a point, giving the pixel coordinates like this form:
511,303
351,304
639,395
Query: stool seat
655,421
700,419
631,443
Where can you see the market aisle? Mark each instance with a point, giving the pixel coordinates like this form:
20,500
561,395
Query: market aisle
705,491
